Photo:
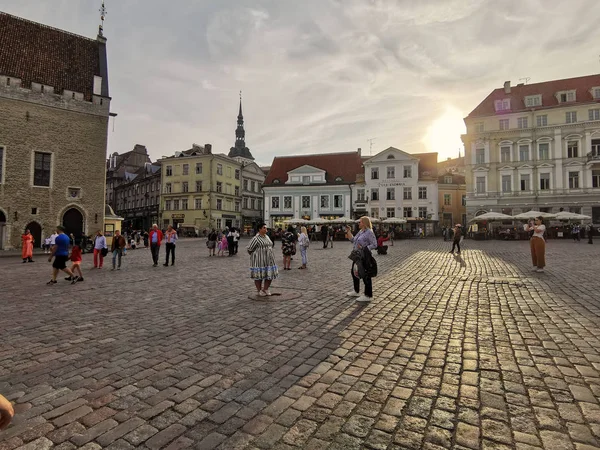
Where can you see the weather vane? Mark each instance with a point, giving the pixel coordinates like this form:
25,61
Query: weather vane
102,14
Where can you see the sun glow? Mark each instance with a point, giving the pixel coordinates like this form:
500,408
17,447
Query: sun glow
443,135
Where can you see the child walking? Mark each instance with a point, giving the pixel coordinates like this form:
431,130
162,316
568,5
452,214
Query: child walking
76,266
222,246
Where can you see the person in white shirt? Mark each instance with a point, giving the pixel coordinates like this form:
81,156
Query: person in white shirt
236,239
47,245
537,244
100,248
53,238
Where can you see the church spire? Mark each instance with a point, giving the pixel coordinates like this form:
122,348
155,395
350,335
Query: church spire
239,149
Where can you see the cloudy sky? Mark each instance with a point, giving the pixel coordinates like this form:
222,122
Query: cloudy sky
319,75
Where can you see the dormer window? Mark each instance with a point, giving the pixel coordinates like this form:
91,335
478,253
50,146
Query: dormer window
391,157
533,100
448,179
566,96
596,92
306,179
338,179
276,181
502,105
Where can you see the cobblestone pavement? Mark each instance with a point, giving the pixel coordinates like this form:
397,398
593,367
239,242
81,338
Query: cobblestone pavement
465,353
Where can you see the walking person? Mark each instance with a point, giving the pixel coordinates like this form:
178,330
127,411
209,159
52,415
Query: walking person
100,250
590,232
211,243
146,238
116,248
75,264
331,236
364,241
304,243
537,244
155,237
60,253
262,261
230,237
27,242
324,235
456,238
171,239
236,240
287,247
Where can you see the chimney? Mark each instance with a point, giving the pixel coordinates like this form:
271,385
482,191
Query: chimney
359,152
507,87
208,148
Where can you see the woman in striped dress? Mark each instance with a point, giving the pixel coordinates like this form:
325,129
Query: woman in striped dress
262,261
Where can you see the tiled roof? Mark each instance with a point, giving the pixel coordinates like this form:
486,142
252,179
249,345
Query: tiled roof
427,165
38,53
456,179
547,89
344,165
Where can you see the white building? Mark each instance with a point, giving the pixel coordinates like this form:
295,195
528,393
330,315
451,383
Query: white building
535,146
399,184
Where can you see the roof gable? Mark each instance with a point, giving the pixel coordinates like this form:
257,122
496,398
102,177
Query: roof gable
306,169
391,154
335,165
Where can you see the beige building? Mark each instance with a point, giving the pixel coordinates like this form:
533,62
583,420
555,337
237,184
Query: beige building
200,190
535,146
54,105
452,192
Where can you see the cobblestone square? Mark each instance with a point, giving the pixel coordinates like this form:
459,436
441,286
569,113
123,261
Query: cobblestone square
470,352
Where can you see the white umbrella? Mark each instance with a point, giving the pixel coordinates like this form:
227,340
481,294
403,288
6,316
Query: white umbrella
297,221
565,215
372,220
394,220
491,217
319,221
342,220
533,214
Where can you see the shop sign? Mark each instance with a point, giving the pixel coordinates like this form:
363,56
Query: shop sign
178,216
391,183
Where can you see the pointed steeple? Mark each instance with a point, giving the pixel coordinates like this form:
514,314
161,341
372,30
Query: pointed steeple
239,150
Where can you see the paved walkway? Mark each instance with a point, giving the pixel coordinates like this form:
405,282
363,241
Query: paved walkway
477,352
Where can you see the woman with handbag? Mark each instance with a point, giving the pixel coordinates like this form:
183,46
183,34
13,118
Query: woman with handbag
364,239
303,242
262,261
287,247
100,250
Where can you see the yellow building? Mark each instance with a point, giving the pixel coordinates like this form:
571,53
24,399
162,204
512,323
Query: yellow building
452,194
200,190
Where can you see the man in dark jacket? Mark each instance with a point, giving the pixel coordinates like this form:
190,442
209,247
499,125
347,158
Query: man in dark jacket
116,248
324,234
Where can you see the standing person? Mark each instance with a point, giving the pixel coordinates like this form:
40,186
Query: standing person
222,245
262,261
47,245
364,239
456,238
445,233
331,236
60,252
116,248
324,235
230,236
304,243
212,242
236,240
575,233
171,239
537,244
155,238
287,247
100,248
27,246
146,239
590,232
382,249
76,264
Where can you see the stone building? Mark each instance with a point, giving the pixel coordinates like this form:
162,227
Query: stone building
138,199
120,169
55,107
535,146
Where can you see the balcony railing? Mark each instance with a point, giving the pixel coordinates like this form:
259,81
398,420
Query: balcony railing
593,156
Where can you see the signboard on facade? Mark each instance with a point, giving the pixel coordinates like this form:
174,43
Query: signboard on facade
391,183
178,216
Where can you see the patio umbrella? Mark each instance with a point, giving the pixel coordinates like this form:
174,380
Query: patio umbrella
297,221
491,217
533,214
565,215
372,220
319,221
394,220
342,220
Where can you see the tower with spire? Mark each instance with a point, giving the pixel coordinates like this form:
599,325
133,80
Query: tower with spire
239,151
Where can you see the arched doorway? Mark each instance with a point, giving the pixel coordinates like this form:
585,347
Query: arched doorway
73,222
36,232
2,229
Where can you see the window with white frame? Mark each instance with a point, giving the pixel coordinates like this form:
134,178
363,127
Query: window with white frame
245,185
422,192
407,193
219,186
596,178
287,202
391,172
524,152
186,169
169,171
176,205
448,179
252,186
572,149
167,205
522,122
252,204
423,211
502,105
390,194
360,195
542,120
306,179
219,224
306,201
525,182
374,213
447,199
480,185
374,173
237,174
325,201
219,169
479,156
219,204
573,180
42,169
197,203
390,212
184,204
275,202
544,150
594,114
544,181
337,201
375,194
236,191
407,171
571,116
198,186
407,211
595,147
236,206
506,183
168,188
596,93
245,202
503,124
184,186
479,127
533,100
199,168
566,96
505,154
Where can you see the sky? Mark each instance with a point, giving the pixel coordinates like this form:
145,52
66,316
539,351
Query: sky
319,76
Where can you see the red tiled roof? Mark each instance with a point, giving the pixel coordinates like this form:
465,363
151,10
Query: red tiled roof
427,165
547,89
344,165
38,53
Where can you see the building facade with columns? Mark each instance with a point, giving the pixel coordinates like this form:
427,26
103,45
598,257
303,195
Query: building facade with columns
535,146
